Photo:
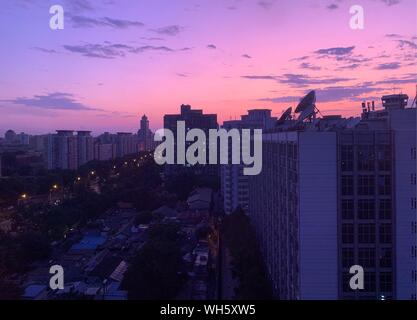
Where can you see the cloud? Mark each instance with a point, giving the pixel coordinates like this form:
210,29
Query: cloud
331,94
337,51
332,6
349,66
266,4
211,46
309,66
44,50
53,101
152,38
246,56
393,35
406,79
388,66
109,50
260,77
87,22
391,2
300,80
80,5
172,30
407,44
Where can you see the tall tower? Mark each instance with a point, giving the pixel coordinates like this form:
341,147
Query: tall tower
145,135
144,123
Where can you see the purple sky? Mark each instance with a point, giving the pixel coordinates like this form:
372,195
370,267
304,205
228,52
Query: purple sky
118,59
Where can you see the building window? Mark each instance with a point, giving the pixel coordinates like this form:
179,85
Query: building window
413,153
369,282
347,158
366,185
385,233
366,233
413,203
385,283
384,158
347,257
346,282
347,233
384,185
366,158
366,257
347,185
385,258
413,179
414,227
366,209
385,209
347,209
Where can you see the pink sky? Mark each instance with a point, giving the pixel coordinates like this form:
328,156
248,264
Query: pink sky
116,60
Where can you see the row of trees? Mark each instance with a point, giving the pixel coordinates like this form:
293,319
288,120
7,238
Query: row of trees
247,263
156,271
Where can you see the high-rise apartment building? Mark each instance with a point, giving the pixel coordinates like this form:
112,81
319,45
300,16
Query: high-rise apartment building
85,147
62,151
234,184
335,193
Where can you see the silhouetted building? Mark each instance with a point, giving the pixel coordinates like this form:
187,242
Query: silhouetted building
62,150
234,184
145,135
335,193
85,144
193,118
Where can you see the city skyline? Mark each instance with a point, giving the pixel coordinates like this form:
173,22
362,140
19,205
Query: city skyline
138,58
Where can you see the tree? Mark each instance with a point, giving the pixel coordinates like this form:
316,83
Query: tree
155,272
143,217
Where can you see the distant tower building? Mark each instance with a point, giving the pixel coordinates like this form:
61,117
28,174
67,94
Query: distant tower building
193,118
10,137
85,145
23,138
62,150
145,135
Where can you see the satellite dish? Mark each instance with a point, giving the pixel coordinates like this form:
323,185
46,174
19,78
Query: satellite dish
308,100
308,112
285,116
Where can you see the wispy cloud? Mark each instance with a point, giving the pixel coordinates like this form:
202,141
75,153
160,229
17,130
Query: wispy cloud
298,80
88,22
332,6
266,4
172,30
110,50
211,46
331,94
44,50
53,101
336,51
246,56
389,66
309,66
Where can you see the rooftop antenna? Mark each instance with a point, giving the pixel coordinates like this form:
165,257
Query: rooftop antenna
286,115
307,107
